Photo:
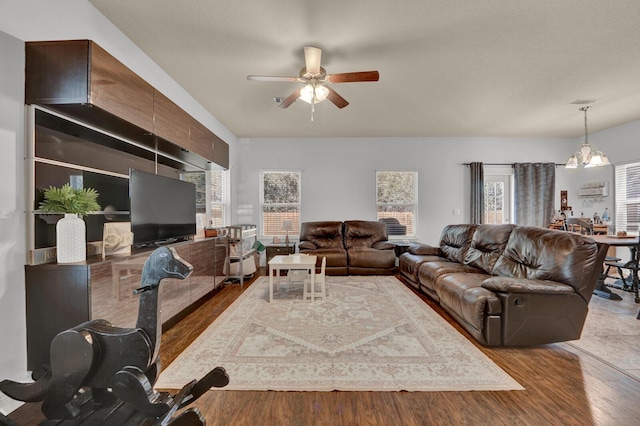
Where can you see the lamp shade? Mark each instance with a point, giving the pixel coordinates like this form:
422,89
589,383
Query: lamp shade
572,163
287,225
314,93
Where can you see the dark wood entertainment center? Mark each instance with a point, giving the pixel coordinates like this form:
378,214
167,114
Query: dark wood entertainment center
91,118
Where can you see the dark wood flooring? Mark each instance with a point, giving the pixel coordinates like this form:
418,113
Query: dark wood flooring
564,386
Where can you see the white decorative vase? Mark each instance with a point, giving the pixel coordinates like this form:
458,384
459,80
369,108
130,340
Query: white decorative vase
71,243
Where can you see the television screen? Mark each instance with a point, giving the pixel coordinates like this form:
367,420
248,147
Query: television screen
162,209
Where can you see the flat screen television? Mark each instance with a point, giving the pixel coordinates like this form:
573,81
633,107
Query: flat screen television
162,209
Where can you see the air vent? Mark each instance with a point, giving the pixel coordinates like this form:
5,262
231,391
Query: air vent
278,101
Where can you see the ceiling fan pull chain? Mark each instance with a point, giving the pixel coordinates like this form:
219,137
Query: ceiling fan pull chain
313,109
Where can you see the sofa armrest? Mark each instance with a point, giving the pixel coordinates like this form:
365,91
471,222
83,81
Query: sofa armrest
306,245
384,245
526,285
424,250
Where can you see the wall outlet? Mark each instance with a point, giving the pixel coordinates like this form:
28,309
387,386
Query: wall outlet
455,212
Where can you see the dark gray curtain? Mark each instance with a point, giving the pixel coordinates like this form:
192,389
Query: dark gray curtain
477,193
535,185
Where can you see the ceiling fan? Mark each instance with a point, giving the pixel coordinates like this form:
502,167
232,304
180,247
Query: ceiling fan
315,81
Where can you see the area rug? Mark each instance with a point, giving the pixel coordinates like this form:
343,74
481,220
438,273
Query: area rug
370,334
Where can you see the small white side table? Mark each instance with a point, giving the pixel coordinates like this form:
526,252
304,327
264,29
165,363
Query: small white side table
293,261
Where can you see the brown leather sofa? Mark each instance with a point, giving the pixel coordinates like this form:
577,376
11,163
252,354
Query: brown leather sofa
509,285
353,247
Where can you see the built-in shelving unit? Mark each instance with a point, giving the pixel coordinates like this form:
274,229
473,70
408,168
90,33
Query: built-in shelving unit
89,121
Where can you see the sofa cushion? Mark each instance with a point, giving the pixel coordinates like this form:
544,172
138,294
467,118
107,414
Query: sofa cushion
455,241
544,254
408,264
429,272
366,257
424,250
487,245
327,234
363,233
526,285
336,257
464,294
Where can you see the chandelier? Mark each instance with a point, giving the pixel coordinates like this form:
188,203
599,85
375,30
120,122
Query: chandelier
587,156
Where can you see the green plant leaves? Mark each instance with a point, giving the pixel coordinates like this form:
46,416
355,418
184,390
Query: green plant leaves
67,199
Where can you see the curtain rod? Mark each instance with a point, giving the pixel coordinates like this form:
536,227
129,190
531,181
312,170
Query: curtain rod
506,164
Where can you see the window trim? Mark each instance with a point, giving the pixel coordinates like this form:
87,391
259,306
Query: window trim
415,203
295,232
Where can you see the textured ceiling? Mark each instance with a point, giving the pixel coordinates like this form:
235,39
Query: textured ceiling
447,68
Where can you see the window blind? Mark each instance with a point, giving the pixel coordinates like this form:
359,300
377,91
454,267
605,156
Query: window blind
627,197
220,198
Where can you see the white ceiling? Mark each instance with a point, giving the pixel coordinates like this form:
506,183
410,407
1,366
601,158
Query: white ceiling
447,67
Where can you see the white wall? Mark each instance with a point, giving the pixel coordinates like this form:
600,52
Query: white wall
13,362
338,175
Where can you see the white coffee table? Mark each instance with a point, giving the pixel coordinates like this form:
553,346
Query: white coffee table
293,261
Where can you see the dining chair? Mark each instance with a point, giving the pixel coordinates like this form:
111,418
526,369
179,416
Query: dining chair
580,225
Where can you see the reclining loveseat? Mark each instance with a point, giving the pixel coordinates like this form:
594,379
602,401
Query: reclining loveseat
353,247
509,285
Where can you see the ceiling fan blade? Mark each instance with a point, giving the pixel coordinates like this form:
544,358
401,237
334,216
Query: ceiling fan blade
291,99
271,78
352,77
312,57
337,100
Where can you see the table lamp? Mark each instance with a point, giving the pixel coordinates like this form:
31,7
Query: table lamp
287,225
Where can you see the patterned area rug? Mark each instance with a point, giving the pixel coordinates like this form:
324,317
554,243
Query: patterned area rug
371,334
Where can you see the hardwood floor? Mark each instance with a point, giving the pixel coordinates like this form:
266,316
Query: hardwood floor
564,386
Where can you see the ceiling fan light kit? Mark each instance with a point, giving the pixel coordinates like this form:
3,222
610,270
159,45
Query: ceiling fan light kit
587,156
313,93
315,81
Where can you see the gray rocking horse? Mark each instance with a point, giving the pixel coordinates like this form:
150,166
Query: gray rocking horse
117,367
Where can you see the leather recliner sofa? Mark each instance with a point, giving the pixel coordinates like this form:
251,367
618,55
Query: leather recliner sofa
353,247
509,285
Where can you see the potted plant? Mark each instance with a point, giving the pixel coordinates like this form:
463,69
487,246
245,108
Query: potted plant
70,231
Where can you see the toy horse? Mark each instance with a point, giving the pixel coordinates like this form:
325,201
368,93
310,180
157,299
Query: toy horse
116,364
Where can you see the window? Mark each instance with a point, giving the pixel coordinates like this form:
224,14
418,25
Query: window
397,197
199,179
213,190
280,198
220,198
627,208
497,194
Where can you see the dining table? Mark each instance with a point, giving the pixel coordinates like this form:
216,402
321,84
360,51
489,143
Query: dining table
633,243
